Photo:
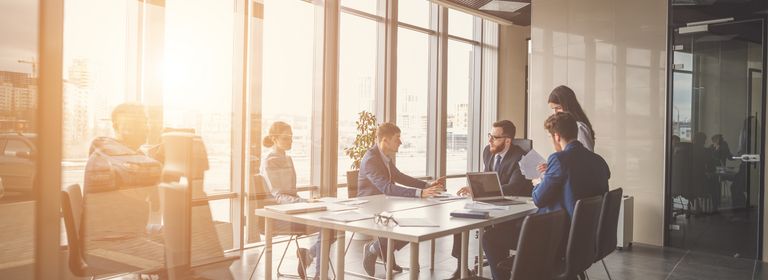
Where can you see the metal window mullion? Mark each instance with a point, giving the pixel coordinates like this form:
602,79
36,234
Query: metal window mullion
489,94
361,14
417,28
326,98
47,263
437,101
475,139
386,71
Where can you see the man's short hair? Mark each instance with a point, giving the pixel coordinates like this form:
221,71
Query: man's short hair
127,109
562,123
507,128
386,130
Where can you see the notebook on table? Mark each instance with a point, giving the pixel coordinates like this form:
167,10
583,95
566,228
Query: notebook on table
295,208
486,188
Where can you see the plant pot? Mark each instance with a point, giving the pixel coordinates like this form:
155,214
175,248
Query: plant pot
352,183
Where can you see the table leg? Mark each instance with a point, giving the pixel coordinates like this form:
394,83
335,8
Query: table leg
480,252
464,253
390,257
340,241
415,261
267,249
432,256
325,252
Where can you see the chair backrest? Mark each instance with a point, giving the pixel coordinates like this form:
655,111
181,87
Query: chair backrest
72,210
609,221
525,144
580,253
536,253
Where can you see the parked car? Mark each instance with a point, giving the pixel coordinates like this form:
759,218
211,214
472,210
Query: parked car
17,163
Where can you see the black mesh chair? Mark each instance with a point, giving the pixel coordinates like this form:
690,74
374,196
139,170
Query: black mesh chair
72,211
538,246
580,252
607,226
525,144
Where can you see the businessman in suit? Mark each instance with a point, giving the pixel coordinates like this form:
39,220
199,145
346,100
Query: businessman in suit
379,175
572,173
501,156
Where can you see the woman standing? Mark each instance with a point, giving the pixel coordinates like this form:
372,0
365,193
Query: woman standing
563,99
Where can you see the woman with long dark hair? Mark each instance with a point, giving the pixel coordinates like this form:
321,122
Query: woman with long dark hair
563,99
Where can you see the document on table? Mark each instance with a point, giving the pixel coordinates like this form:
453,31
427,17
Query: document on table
415,222
346,217
529,164
484,206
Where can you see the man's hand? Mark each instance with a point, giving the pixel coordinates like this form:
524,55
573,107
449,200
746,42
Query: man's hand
536,182
439,182
431,191
464,191
542,168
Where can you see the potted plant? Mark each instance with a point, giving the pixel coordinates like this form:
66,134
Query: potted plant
364,140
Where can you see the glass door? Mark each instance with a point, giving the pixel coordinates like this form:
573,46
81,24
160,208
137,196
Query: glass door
716,154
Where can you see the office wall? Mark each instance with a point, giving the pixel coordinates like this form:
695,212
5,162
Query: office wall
613,55
513,59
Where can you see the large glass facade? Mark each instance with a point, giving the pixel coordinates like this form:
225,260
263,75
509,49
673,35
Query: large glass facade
18,137
461,67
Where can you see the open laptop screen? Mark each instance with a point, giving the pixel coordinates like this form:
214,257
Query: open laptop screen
484,184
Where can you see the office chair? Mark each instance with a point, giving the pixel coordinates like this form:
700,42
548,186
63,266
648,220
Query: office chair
607,226
293,231
525,144
537,246
72,210
580,251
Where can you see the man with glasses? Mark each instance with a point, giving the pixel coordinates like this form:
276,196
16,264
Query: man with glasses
501,156
379,175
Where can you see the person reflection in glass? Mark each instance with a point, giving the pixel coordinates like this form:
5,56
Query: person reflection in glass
280,176
704,181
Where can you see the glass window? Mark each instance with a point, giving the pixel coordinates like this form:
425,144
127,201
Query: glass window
286,93
368,6
460,24
18,108
412,94
413,12
460,77
357,80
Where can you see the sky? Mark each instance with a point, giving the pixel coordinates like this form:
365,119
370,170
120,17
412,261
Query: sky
18,34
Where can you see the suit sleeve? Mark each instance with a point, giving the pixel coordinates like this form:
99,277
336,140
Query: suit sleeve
517,184
375,171
401,178
551,187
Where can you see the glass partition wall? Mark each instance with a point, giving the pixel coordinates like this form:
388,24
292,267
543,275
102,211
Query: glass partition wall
716,139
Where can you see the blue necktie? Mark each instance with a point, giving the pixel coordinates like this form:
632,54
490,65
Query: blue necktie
497,166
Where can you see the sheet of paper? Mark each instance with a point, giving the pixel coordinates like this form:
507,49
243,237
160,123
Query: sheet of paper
529,164
484,206
346,217
415,222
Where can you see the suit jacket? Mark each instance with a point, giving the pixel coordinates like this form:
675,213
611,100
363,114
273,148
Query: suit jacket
572,174
374,178
511,178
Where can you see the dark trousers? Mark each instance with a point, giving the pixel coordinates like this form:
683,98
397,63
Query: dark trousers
381,245
497,242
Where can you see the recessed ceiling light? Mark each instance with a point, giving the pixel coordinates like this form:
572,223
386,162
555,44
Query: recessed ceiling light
504,6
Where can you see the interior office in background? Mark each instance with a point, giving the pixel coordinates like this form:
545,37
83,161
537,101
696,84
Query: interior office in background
442,70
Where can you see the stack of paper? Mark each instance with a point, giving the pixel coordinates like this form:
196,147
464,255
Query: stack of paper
529,164
346,217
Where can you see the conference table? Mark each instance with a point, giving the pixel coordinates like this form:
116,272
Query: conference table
436,211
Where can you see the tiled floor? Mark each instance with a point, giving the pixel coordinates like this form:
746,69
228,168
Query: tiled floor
638,262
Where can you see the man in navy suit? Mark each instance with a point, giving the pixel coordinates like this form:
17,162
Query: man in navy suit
378,175
572,173
501,156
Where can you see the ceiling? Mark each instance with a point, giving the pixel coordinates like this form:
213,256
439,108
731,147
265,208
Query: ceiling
521,17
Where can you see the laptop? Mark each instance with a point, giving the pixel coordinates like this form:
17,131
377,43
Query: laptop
487,188
296,208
